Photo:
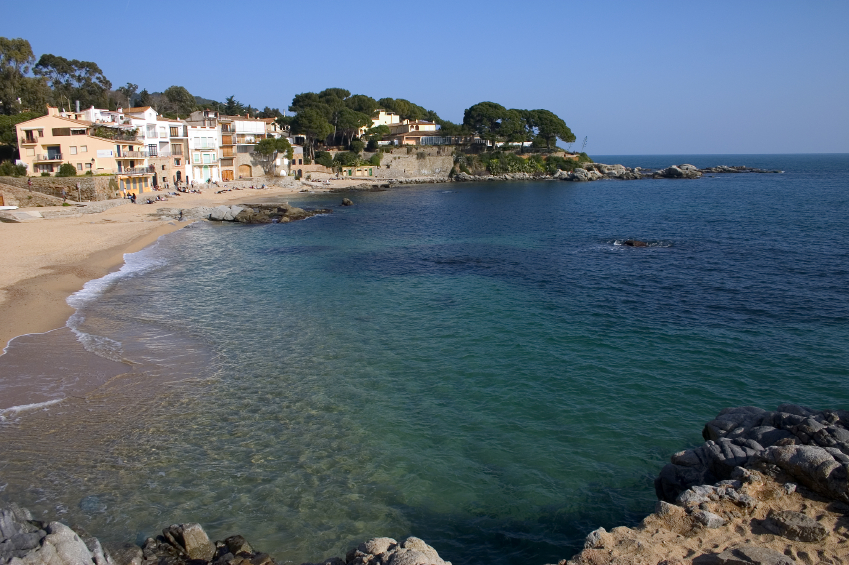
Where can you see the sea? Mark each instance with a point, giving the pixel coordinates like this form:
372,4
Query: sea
482,365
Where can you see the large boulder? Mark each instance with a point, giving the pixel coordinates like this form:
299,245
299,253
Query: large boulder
810,446
387,551
685,171
795,526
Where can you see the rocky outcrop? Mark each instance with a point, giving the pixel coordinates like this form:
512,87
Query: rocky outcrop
242,213
736,169
812,447
25,541
678,172
347,202
735,500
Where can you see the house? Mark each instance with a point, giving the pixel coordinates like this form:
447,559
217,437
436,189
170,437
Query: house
204,143
239,136
383,118
46,142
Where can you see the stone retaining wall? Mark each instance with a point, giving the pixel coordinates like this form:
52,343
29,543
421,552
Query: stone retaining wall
422,161
91,188
14,196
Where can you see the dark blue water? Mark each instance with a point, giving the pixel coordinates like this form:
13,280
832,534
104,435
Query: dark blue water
479,365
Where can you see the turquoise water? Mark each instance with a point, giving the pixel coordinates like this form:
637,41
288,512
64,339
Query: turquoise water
479,365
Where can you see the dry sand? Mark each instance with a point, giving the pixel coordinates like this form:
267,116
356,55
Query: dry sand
45,261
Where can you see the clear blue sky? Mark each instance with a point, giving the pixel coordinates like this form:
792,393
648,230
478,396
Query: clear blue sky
634,77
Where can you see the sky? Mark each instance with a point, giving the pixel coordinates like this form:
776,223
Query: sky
633,78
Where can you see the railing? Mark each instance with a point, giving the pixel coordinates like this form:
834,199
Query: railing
203,145
137,170
179,133
132,155
228,152
30,140
160,154
53,157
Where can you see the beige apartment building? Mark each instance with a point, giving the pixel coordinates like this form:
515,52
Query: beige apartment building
46,142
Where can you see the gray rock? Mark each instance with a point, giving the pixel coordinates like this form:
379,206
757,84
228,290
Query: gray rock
237,545
709,519
218,213
595,539
795,526
812,466
347,202
751,555
191,540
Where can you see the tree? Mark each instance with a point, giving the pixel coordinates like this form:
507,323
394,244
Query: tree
270,113
362,103
349,122
180,100
549,127
313,124
145,99
129,92
18,92
9,169
484,118
271,147
406,109
377,132
74,80
233,107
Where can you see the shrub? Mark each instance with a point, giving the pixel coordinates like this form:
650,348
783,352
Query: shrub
324,158
9,169
372,145
357,146
421,155
584,158
67,170
346,159
89,173
375,160
45,174
307,160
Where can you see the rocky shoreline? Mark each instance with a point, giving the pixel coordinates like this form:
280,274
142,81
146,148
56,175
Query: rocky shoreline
766,488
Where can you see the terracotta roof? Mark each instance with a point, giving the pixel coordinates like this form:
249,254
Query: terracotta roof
136,110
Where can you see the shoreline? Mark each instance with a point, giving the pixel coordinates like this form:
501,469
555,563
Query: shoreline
48,260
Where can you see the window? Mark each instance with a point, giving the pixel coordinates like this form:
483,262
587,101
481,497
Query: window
163,167
79,166
206,158
197,157
61,132
73,150
83,148
30,151
162,132
88,166
78,131
176,162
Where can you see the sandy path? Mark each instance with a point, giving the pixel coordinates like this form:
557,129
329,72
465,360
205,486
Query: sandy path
42,262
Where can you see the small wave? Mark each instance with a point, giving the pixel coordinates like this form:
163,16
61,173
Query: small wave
25,407
134,264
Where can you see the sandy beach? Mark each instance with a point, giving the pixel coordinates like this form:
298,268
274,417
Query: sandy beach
47,260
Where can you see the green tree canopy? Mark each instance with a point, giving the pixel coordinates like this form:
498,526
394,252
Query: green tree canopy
128,91
313,124
362,103
549,127
233,107
271,146
484,118
180,101
73,80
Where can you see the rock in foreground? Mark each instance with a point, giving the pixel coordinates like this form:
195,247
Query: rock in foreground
735,499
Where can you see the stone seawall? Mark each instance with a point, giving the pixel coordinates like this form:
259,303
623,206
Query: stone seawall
422,161
91,188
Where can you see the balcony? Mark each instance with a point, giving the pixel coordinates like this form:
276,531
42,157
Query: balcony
178,132
137,170
228,140
29,140
133,155
160,154
50,157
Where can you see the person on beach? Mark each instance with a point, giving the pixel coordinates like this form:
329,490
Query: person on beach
64,196
133,198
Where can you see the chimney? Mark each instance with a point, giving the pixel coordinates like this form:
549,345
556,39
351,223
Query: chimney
78,106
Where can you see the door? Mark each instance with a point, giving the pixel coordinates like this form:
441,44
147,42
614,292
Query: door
205,174
244,171
226,175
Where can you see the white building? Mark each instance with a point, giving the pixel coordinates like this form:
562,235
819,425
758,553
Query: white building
203,157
